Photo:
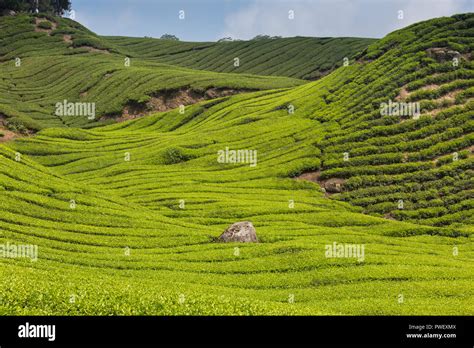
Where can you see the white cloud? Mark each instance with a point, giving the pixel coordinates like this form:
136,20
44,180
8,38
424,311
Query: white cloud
420,10
365,18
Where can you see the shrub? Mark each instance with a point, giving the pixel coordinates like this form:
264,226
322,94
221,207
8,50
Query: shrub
15,125
45,25
305,166
174,155
89,41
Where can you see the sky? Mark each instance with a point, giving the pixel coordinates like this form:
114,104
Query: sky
210,20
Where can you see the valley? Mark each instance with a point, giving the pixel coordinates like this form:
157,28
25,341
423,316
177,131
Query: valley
150,195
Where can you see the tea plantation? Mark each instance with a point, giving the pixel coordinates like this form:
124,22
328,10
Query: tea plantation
39,69
299,57
125,215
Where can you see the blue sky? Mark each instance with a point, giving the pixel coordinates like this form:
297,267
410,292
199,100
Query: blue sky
209,20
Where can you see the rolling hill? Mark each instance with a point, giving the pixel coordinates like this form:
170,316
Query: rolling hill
70,62
69,51
125,215
306,58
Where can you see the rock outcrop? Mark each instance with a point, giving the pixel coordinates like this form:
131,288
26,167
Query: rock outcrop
442,54
242,232
334,185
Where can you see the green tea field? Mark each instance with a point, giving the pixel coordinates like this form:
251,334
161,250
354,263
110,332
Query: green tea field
125,206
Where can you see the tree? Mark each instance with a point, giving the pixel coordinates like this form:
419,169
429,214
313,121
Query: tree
61,6
266,37
44,6
225,39
57,7
169,37
261,37
13,5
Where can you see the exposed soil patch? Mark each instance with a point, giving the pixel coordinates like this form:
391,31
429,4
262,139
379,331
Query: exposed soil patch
67,38
172,99
429,87
405,157
7,135
330,186
451,96
402,95
310,176
445,101
38,29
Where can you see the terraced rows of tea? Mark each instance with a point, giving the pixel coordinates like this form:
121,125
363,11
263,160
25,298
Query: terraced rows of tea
298,57
126,215
71,63
407,167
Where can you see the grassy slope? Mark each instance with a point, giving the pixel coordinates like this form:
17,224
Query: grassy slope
53,69
171,252
297,57
119,202
396,158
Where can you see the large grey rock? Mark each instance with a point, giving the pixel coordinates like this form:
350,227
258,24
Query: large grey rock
334,185
442,54
243,232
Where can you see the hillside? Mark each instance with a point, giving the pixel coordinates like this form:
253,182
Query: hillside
298,57
426,162
125,215
69,49
71,63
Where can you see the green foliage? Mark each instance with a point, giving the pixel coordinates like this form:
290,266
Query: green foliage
16,125
45,25
266,37
398,158
298,57
90,73
175,155
89,41
169,37
153,187
57,7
